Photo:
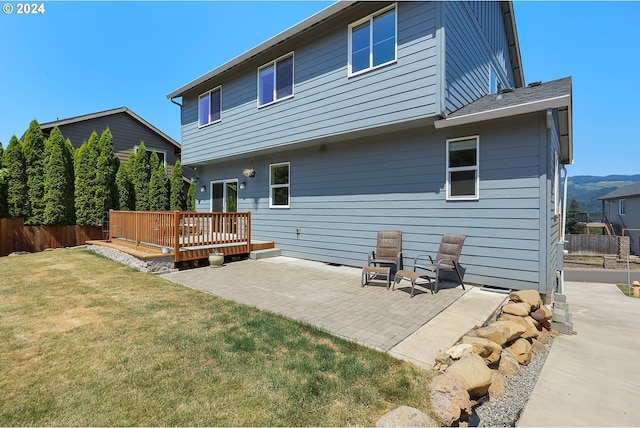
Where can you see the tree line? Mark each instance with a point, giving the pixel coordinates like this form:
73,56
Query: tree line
47,182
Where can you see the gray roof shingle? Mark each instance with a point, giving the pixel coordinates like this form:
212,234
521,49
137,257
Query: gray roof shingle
623,192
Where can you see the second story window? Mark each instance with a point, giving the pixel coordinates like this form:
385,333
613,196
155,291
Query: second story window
210,106
373,41
622,207
275,80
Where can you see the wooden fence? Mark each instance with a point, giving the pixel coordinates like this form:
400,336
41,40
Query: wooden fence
592,244
15,236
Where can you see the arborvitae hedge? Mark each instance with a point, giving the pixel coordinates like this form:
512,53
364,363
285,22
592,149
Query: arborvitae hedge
191,197
105,188
3,187
177,199
158,185
58,181
16,179
33,150
126,195
86,161
140,176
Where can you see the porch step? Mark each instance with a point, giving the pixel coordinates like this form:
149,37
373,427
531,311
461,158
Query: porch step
263,254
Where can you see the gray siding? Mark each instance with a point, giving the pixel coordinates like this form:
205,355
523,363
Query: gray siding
127,133
475,40
326,102
631,220
343,193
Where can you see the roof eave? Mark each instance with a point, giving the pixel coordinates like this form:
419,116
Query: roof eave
307,23
509,21
560,102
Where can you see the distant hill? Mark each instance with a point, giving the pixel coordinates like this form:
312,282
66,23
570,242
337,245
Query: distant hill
586,189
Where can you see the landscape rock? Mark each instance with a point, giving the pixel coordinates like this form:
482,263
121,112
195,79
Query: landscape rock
508,364
487,349
521,350
530,296
456,352
405,416
497,387
450,398
527,322
475,372
520,309
543,336
538,314
443,358
501,332
537,347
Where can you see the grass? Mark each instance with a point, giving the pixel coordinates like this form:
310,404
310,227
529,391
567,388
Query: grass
625,290
85,341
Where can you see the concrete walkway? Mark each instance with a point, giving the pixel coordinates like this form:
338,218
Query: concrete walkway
591,378
330,297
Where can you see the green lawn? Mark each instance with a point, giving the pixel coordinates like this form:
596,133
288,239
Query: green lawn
85,341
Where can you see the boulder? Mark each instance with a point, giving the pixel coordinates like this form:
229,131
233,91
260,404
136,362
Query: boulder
538,314
456,352
487,349
537,347
450,398
475,372
527,322
543,336
508,363
530,296
497,387
521,349
501,332
406,416
443,358
520,309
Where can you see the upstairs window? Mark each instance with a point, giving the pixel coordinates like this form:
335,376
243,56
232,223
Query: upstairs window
462,168
622,207
373,41
279,185
275,80
210,107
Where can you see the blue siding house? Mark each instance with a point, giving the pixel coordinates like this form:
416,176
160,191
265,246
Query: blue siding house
388,115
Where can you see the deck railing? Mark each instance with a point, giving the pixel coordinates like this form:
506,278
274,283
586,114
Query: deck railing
183,231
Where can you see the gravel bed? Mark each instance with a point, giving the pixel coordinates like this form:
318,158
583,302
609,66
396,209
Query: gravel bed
506,409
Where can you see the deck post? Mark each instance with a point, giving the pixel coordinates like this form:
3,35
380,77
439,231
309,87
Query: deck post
176,236
248,231
110,237
135,219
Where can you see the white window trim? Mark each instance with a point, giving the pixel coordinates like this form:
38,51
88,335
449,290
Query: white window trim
370,19
622,207
275,89
276,186
475,168
202,125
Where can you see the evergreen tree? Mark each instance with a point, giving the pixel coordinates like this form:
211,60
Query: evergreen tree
126,195
177,200
106,189
70,172
33,150
141,176
86,162
158,185
15,179
3,187
58,184
572,217
191,197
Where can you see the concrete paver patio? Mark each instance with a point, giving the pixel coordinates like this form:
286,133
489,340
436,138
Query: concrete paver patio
329,297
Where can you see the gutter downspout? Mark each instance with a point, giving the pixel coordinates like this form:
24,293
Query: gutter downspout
175,102
564,227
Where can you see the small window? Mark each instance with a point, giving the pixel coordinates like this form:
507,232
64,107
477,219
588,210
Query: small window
622,207
373,41
210,107
275,80
279,185
462,168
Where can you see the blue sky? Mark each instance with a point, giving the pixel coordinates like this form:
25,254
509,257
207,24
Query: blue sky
84,57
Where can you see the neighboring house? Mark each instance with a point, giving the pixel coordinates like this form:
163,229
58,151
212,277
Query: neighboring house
128,130
385,115
621,209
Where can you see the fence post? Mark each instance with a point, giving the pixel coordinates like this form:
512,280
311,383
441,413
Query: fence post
176,236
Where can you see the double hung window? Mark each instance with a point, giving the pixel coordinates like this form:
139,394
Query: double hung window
275,80
373,41
462,168
279,185
210,107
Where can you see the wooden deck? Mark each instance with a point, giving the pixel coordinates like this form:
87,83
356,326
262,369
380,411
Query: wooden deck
185,235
